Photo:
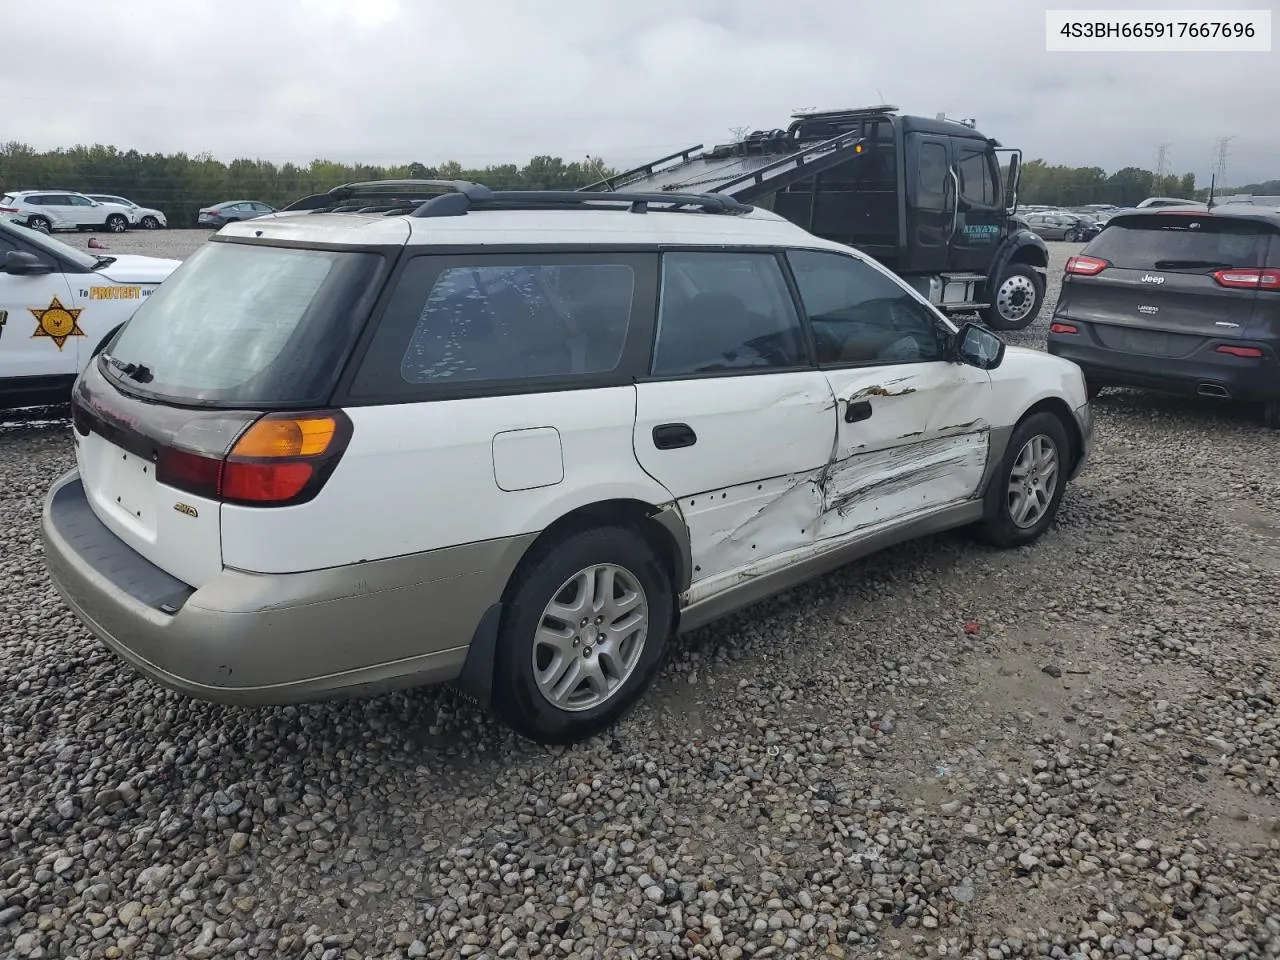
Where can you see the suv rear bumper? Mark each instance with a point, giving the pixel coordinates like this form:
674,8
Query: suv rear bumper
1242,378
258,639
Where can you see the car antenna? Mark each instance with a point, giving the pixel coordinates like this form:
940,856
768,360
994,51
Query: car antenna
1213,179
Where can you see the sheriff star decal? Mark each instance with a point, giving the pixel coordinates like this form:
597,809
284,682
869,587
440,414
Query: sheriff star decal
57,322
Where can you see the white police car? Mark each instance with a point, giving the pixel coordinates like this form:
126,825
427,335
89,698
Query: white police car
58,304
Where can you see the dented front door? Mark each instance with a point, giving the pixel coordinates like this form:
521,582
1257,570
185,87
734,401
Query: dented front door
911,439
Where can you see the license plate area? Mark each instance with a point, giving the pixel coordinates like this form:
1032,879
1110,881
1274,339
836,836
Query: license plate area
130,488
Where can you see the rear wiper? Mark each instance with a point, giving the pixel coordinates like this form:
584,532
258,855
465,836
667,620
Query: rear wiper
103,261
134,371
1178,264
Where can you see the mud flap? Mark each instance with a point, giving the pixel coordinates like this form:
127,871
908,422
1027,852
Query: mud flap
476,679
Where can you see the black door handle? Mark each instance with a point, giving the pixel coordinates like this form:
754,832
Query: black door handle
853,412
670,436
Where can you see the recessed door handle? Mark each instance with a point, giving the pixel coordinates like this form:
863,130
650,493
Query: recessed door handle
671,436
853,412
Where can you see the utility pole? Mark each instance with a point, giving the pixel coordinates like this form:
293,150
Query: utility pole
1220,158
1162,160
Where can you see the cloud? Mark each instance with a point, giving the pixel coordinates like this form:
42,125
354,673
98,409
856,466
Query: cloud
492,81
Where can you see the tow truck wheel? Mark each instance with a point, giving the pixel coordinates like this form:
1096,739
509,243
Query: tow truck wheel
1016,299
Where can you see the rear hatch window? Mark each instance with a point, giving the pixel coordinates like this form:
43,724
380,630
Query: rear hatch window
1181,243
246,325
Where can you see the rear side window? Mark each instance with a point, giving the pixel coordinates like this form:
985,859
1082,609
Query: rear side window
483,323
1169,242
248,324
725,311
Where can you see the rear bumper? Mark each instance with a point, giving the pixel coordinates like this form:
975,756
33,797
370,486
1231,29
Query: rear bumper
1241,378
258,639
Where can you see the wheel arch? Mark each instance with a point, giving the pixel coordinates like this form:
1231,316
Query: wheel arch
662,527
1059,408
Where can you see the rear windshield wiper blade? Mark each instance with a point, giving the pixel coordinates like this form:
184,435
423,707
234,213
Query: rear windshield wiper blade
1178,264
134,371
103,261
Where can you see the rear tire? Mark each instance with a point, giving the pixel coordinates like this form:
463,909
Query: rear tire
1016,299
40,223
1271,414
599,578
1022,500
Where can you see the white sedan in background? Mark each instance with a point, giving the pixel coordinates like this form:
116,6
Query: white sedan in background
146,217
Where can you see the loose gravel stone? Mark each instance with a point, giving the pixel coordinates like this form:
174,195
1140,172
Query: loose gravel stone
852,775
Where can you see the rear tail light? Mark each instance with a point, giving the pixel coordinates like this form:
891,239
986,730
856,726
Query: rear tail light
1251,353
8,209
1059,327
276,460
1249,279
1086,266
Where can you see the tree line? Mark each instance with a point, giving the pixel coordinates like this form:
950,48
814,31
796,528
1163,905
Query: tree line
180,184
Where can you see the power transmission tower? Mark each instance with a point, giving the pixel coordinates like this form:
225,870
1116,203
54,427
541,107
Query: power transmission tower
1162,160
739,133
1220,158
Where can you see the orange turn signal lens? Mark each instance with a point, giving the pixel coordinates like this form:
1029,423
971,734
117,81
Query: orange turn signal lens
286,437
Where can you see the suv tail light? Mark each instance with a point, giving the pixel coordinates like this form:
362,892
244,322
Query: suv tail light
1249,279
8,210
1086,266
279,459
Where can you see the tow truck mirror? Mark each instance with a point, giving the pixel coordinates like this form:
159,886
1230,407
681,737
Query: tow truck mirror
979,347
1011,185
19,263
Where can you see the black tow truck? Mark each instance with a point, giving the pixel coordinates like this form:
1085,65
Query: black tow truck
927,198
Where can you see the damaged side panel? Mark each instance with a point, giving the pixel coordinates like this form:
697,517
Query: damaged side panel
738,526
896,483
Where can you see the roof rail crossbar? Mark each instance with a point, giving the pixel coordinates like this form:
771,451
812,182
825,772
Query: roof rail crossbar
457,204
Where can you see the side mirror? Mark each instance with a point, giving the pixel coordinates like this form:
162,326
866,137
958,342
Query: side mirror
979,347
19,263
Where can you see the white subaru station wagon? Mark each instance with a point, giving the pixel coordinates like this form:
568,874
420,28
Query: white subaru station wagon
518,440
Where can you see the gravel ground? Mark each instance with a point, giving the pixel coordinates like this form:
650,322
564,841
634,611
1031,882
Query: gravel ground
1067,751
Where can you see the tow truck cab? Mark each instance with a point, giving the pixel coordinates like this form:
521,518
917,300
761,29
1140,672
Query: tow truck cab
928,198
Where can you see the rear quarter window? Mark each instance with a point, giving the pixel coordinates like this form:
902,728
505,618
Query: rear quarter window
495,324
1167,242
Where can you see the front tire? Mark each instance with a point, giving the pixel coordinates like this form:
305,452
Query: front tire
1017,298
585,626
117,223
1024,495
150,223
1071,237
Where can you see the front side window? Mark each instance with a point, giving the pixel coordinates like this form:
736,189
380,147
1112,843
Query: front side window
976,182
859,316
933,168
722,312
493,320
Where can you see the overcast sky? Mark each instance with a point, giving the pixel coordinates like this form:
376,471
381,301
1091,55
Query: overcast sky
494,81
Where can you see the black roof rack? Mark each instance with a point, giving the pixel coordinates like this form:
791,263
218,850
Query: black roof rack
455,198
481,198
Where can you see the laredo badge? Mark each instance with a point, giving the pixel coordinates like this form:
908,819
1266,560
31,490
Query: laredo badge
57,322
